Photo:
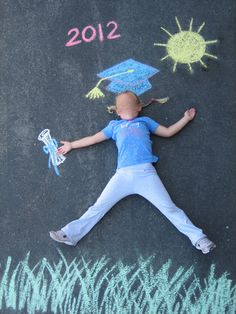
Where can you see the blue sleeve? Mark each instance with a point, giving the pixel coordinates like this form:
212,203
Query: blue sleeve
108,130
152,125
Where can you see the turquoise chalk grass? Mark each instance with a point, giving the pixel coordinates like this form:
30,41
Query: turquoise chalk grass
98,287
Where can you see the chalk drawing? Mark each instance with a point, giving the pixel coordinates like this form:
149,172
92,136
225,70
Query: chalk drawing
128,75
96,92
50,148
89,33
186,47
88,287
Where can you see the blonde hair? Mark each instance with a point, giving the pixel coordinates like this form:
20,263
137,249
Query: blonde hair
112,109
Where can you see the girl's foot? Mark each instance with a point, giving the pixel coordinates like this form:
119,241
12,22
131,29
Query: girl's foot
205,245
61,237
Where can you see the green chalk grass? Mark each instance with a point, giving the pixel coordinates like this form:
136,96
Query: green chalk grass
88,287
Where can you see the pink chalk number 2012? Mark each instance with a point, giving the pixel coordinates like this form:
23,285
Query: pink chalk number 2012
89,33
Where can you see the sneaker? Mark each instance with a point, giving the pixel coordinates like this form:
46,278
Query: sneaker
60,236
205,245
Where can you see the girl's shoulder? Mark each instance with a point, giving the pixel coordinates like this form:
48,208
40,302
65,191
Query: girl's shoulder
144,119
114,123
149,122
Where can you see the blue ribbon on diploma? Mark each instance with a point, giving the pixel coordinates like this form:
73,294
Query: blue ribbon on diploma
52,158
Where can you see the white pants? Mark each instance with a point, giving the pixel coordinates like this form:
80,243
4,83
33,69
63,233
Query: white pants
140,179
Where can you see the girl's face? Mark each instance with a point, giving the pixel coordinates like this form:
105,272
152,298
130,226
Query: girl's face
127,106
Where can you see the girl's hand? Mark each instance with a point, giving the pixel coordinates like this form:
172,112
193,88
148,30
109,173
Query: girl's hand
65,148
190,114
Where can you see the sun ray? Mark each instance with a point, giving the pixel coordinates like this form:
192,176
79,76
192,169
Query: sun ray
190,68
177,22
210,56
202,63
158,44
190,25
166,31
174,67
211,42
201,27
167,56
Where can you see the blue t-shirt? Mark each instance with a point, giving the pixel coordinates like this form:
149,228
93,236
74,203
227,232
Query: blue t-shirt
132,139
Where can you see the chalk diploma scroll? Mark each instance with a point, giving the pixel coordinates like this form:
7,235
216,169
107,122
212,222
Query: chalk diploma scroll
50,148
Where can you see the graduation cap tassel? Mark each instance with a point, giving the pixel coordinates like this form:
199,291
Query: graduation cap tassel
96,92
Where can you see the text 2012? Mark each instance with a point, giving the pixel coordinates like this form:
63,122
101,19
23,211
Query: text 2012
90,33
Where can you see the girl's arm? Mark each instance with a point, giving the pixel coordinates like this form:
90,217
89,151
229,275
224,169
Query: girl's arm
176,127
83,142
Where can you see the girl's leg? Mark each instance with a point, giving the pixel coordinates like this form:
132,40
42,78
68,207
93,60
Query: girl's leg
149,185
117,188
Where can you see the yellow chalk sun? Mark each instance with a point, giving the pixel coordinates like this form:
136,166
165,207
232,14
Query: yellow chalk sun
186,47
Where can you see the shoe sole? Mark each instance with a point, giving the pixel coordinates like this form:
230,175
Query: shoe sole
209,249
52,235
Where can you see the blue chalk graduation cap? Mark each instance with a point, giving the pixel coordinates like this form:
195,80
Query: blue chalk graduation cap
128,75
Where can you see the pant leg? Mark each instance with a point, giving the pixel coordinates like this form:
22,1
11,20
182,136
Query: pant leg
117,188
149,185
